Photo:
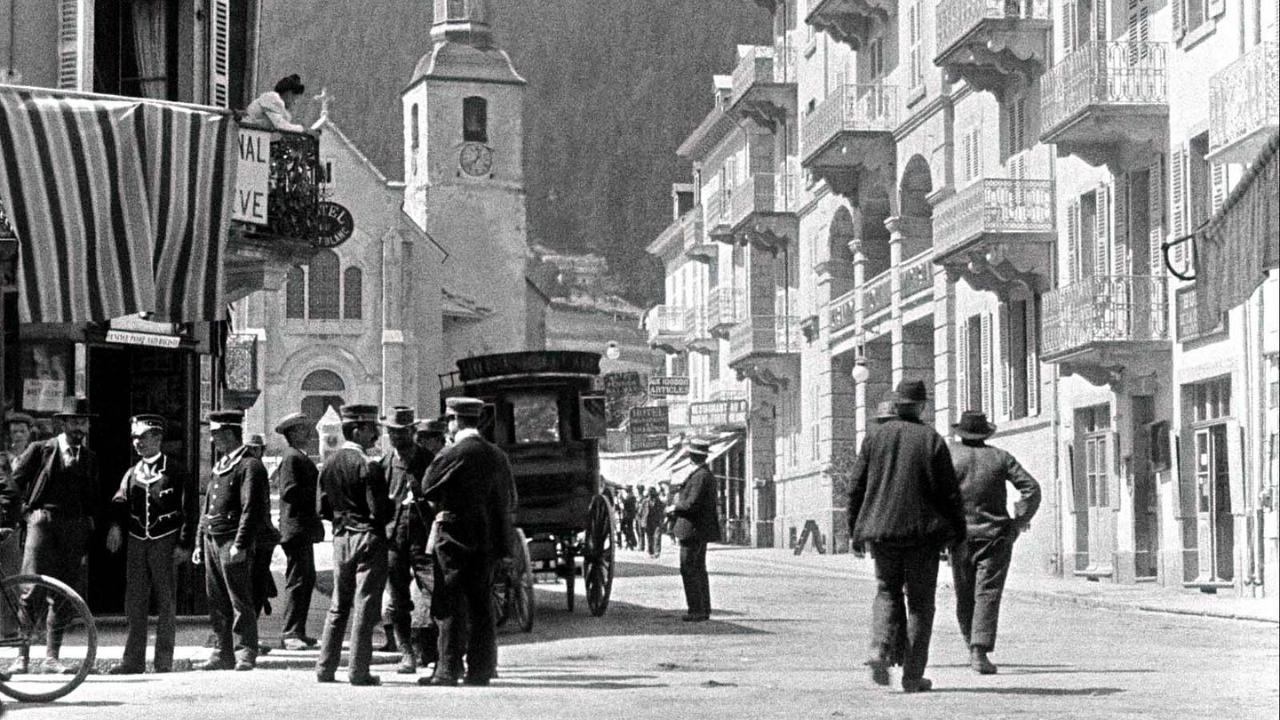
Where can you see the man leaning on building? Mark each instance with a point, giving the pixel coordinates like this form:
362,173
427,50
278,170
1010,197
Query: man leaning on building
158,504
300,528
354,496
232,519
904,502
980,562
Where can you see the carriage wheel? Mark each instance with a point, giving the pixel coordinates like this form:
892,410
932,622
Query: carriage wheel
498,597
521,599
568,568
598,556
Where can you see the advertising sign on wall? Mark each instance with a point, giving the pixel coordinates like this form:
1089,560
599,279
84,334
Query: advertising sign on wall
718,413
648,421
253,170
671,385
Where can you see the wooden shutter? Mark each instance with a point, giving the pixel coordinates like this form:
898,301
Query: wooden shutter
220,53
1179,17
1068,27
1101,231
1218,183
1032,316
75,45
1155,215
1074,273
988,406
962,368
1100,21
1120,243
1006,361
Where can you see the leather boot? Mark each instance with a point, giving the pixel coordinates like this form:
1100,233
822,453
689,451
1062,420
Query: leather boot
404,639
390,644
980,663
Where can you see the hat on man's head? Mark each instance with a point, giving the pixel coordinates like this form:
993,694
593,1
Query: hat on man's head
885,408
973,425
256,440
432,427
219,419
291,421
74,408
140,425
401,418
464,406
19,417
910,392
698,447
359,413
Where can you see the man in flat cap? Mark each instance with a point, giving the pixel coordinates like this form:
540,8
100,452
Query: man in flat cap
470,533
697,522
237,497
354,496
980,562
158,504
58,478
407,531
300,528
904,501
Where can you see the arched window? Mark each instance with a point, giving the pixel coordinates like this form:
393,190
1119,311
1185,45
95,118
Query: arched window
352,293
295,294
320,391
323,381
322,286
413,139
475,119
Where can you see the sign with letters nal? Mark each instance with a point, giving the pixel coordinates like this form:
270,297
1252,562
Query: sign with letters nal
648,420
718,413
253,171
672,385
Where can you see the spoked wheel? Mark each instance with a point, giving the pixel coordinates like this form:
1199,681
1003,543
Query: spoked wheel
521,579
598,556
55,611
567,571
499,598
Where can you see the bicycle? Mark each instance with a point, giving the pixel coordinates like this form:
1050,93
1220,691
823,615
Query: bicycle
72,623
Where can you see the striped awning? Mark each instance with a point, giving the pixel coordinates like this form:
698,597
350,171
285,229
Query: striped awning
120,205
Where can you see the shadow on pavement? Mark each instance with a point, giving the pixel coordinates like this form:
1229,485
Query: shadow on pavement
1046,692
1013,669
570,680
12,706
625,569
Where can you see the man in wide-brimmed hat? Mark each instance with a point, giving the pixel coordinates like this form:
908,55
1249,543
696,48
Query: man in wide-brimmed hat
59,478
980,562
300,528
697,522
407,530
904,502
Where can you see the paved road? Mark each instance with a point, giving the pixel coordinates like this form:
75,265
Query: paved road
788,641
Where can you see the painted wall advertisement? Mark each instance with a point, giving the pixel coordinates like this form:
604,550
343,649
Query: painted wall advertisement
648,421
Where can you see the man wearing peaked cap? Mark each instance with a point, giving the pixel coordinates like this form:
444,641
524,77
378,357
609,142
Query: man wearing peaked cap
158,504
300,528
354,496
697,523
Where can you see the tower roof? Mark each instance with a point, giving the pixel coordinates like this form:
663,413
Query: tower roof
465,21
463,47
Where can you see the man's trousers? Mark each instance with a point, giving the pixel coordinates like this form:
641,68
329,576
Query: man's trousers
912,569
229,585
149,572
359,577
979,567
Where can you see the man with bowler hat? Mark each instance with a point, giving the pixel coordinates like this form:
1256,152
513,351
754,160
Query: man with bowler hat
353,494
980,562
468,537
697,522
234,503
407,530
58,478
158,504
904,501
300,528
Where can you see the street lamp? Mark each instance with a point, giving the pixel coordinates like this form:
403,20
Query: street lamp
612,351
860,372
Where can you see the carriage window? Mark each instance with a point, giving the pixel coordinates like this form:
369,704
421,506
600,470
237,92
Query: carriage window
536,417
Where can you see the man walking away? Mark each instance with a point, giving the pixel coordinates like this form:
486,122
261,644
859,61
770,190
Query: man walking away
354,496
980,562
697,523
904,502
654,518
407,531
300,529
629,518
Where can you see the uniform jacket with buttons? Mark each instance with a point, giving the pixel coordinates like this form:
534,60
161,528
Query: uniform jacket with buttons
236,499
409,515
299,513
39,467
353,492
156,500
983,471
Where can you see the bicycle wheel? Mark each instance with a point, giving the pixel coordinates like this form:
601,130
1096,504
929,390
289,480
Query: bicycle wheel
55,611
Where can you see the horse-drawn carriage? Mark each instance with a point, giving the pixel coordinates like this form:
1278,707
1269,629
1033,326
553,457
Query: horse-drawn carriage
543,410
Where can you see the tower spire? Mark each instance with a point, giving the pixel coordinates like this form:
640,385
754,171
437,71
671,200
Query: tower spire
463,21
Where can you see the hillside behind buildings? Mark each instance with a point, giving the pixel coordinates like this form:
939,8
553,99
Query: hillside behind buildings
614,86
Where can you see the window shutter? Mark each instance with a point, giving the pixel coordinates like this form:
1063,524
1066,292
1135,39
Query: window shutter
1068,27
1032,316
75,45
1217,7
1179,18
962,368
1101,231
1155,215
988,405
1120,245
220,53
1100,21
1006,361
1218,180
1178,199
1073,241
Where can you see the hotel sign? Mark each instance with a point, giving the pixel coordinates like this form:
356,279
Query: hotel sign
648,421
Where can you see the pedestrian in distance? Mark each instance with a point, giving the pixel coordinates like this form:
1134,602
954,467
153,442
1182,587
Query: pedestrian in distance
640,517
58,478
235,501
469,537
407,530
19,426
354,496
980,562
904,502
264,546
629,517
654,511
158,505
300,528
697,522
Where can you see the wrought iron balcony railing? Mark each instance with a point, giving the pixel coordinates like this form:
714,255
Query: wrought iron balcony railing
993,206
764,193
691,230
1244,99
665,324
877,294
764,335
843,310
855,108
916,275
293,188
957,18
763,65
697,329
1113,73
725,307
1104,309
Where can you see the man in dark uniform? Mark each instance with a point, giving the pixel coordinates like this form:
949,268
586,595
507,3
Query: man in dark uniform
697,522
300,528
980,563
905,502
354,496
469,534
264,546
59,480
407,531
430,440
232,519
159,505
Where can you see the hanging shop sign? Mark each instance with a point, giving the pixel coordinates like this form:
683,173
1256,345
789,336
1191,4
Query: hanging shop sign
253,172
671,385
648,421
128,337
648,442
623,383
718,413
334,225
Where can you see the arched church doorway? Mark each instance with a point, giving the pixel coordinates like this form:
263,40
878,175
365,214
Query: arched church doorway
321,390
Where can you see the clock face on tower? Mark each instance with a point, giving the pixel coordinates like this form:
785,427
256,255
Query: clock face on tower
475,159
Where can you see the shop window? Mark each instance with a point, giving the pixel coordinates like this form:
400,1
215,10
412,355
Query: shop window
352,293
295,294
1209,400
536,417
322,286
475,119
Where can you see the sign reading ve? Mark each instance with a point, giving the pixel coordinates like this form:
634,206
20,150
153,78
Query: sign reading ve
253,171
648,421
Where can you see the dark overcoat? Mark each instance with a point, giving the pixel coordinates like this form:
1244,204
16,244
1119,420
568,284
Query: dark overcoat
299,514
696,510
983,472
354,493
469,485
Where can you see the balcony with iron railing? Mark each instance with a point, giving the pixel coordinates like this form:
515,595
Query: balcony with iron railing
697,329
666,327
915,278
761,211
996,231
987,43
766,349
1101,325
695,242
849,131
877,295
1244,105
725,307
1108,103
764,85
842,312
850,21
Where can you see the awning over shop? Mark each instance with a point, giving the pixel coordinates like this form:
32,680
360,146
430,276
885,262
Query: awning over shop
120,205
674,465
1237,247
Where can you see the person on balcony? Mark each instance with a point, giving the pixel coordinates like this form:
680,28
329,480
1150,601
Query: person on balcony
275,109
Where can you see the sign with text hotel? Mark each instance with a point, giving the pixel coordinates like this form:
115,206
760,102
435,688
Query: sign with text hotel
718,413
648,421
253,171
664,386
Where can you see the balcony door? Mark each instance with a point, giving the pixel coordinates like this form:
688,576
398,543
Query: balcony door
1215,526
1095,495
